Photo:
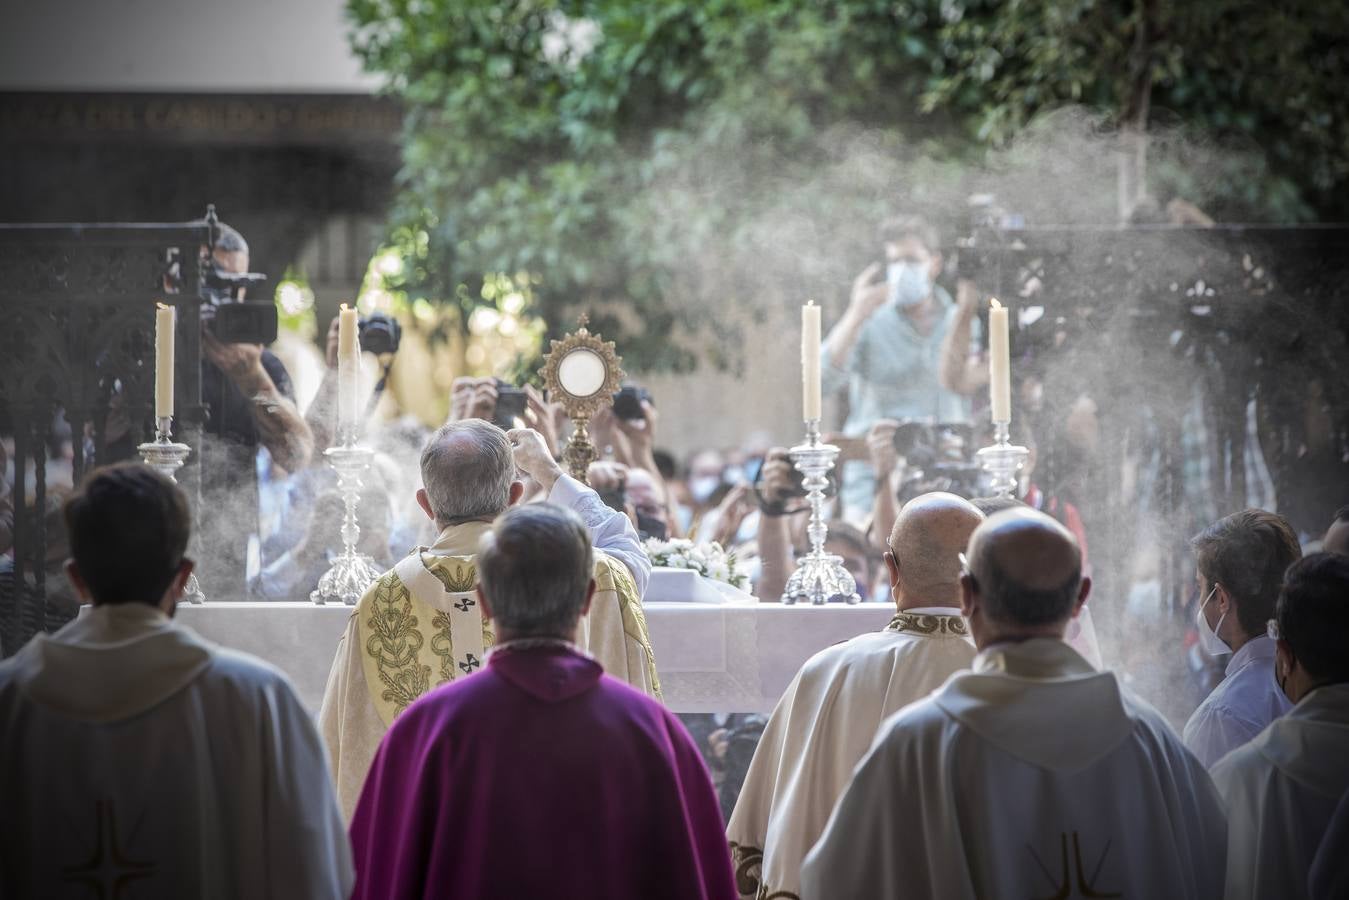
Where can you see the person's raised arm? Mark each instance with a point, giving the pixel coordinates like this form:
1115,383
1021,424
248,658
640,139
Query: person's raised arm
281,428
867,296
776,489
884,461
961,371
610,530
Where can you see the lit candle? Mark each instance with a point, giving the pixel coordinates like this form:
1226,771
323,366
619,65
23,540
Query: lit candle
348,367
999,364
163,361
810,360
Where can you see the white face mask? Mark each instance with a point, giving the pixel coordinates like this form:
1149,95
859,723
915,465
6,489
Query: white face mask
701,487
1209,641
909,283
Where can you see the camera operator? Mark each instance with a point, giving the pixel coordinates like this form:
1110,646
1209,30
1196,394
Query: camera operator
245,387
898,346
250,402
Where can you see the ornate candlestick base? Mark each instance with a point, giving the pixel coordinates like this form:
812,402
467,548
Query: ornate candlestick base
166,456
351,572
1002,461
819,576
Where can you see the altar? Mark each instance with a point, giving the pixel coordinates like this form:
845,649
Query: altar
711,658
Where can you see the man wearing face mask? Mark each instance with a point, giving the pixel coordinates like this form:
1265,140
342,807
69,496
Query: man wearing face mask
1241,560
1283,788
898,346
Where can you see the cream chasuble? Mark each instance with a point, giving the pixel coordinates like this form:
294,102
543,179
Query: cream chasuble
1033,775
138,760
821,727
1281,791
419,626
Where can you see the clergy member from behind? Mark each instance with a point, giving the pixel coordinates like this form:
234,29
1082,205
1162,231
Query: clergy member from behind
138,760
1033,775
829,715
1282,788
419,625
1240,560
540,776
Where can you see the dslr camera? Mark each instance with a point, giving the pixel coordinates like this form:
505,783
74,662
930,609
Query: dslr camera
939,457
628,403
379,333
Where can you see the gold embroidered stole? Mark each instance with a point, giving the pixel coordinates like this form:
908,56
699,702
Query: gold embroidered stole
612,576
410,644
928,624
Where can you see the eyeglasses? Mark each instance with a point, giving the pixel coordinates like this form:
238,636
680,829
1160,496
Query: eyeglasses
1272,629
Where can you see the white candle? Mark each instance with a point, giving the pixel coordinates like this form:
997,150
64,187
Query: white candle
810,360
999,364
348,367
163,361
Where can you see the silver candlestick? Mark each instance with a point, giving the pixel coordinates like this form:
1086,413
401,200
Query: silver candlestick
166,456
819,576
351,573
1003,460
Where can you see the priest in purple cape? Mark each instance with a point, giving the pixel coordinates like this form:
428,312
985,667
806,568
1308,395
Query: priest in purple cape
538,776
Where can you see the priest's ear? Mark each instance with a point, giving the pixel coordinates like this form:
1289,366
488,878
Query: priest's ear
892,568
1083,591
77,581
425,503
517,491
590,595
178,584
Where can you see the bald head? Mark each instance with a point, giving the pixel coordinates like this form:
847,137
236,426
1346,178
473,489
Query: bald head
1027,568
930,532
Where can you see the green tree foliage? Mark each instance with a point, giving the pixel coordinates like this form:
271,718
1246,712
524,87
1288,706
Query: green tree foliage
656,162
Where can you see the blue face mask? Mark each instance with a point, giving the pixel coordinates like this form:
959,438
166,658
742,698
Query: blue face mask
909,283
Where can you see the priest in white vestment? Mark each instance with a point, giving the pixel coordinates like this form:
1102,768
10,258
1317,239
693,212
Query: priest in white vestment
1282,788
1240,560
828,717
138,760
419,625
1033,775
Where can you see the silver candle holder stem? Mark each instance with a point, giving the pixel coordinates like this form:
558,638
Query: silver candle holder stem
166,456
819,577
351,573
1003,460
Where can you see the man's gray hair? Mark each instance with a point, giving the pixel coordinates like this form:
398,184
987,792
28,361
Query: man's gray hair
535,567
467,469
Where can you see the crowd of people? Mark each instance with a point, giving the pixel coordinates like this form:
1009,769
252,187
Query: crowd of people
492,723
493,727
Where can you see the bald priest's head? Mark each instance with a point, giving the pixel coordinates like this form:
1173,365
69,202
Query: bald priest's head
923,555
1023,578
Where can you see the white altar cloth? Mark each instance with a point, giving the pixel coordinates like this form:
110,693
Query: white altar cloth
730,658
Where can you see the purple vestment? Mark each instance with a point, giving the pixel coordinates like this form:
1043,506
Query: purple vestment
539,776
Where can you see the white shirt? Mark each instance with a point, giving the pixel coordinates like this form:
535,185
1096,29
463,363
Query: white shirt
1240,707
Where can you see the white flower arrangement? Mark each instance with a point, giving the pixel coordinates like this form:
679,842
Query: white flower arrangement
710,560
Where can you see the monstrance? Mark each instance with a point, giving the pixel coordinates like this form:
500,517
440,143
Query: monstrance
581,371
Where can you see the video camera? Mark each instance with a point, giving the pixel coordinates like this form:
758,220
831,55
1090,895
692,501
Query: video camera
233,320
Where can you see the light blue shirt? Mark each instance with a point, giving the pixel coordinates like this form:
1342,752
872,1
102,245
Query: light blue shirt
610,530
892,372
1240,707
